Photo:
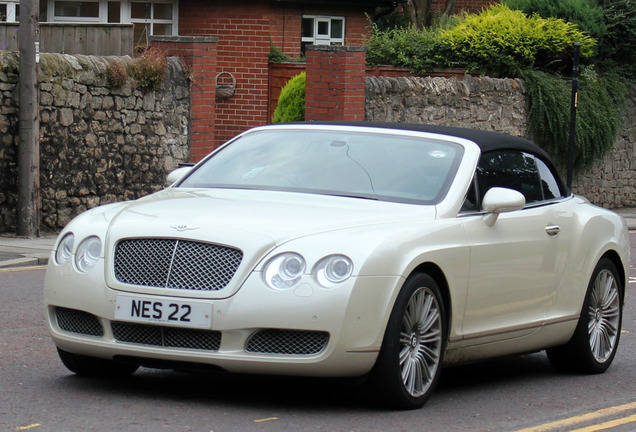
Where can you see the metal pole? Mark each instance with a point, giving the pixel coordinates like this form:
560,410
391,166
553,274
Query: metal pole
573,106
28,218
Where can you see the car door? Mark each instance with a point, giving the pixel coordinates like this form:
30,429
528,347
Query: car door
515,263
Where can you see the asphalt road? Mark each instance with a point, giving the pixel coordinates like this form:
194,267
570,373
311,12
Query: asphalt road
512,394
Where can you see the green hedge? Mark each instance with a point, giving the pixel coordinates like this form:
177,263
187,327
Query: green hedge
498,41
501,41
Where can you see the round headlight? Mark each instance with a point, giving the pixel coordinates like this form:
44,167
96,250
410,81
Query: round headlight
64,248
333,270
284,271
88,253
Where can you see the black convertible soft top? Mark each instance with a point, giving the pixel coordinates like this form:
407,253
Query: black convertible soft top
486,140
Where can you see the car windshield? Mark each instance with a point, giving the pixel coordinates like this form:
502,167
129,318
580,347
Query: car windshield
380,166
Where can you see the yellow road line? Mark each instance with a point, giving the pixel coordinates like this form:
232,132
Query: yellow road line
265,419
31,426
608,425
580,419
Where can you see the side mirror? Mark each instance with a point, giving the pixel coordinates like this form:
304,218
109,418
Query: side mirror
177,175
501,200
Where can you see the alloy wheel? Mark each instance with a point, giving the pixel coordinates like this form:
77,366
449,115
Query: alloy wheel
420,342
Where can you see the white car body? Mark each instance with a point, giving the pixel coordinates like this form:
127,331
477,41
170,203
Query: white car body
510,285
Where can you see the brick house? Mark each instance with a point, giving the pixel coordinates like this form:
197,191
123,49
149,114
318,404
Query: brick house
244,32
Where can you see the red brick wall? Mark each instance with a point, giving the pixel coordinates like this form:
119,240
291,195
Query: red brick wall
244,31
243,47
335,88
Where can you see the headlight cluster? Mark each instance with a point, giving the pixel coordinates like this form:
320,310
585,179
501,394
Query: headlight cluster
86,255
285,271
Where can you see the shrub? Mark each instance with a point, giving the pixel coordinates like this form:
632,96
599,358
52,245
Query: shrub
149,68
599,115
418,50
501,41
116,75
276,55
291,103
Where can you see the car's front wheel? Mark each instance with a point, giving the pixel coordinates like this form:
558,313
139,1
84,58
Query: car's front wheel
410,361
595,341
95,367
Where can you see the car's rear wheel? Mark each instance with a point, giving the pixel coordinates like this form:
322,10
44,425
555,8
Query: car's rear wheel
595,341
409,363
95,367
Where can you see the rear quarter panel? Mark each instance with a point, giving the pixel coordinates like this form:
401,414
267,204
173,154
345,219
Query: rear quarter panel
591,232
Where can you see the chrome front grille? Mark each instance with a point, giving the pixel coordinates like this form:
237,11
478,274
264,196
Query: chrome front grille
74,321
291,342
178,264
171,337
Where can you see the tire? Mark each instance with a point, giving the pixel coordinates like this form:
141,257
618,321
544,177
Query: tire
595,341
95,367
409,364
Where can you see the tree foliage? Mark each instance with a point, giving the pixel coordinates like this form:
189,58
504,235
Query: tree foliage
586,14
618,47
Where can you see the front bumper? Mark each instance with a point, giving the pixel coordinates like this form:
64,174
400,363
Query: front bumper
309,330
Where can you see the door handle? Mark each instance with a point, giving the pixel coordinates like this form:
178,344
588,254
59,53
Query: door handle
552,230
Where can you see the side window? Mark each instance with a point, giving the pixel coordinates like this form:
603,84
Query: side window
510,169
549,183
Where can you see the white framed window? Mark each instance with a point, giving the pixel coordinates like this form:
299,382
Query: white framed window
148,17
322,30
9,11
85,11
152,18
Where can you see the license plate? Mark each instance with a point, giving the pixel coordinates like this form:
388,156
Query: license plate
170,312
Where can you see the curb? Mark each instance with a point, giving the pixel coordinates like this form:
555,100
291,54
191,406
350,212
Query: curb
24,262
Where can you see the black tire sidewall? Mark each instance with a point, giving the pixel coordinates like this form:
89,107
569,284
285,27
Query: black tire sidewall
386,373
581,339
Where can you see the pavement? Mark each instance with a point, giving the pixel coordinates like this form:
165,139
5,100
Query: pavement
18,251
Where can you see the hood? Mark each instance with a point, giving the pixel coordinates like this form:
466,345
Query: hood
232,217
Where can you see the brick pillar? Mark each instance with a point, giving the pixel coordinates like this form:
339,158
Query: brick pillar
199,54
335,88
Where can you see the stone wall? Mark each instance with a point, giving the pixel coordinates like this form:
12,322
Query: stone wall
97,145
474,102
500,105
611,182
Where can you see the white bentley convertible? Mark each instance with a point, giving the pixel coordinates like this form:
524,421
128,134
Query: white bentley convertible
336,250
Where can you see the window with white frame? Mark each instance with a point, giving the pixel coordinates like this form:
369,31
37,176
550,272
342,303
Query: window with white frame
148,17
156,18
322,30
9,11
